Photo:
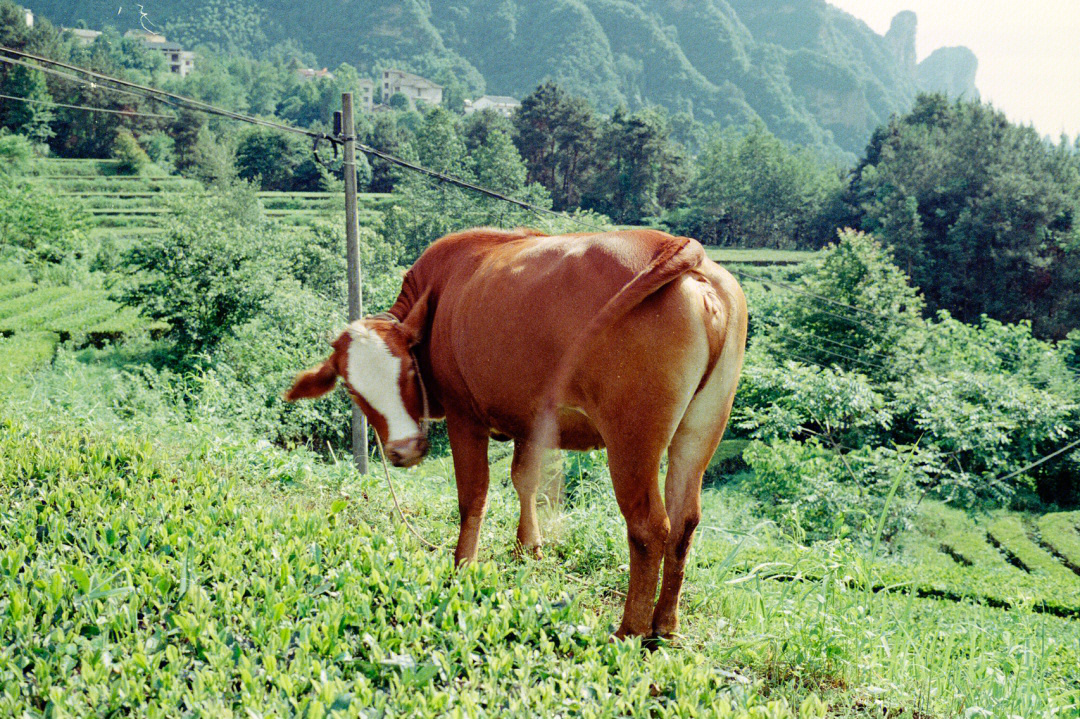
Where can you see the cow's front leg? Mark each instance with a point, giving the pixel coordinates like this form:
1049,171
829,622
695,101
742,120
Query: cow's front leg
526,483
469,443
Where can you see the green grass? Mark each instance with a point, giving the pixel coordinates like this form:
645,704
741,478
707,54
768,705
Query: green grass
24,353
216,574
1060,534
727,255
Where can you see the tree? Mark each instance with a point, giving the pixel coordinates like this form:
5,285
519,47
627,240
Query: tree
206,274
752,190
556,136
129,154
981,213
428,209
279,161
641,171
492,157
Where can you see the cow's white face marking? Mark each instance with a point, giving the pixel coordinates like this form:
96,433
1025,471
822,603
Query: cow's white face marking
374,373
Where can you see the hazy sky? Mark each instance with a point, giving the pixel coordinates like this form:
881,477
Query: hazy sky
1028,50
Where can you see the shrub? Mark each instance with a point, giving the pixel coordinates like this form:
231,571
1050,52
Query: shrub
132,159
40,230
15,153
207,273
818,493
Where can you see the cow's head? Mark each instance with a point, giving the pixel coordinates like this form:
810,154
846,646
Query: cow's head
373,357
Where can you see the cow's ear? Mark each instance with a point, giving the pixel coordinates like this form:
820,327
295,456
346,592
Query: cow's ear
416,321
314,382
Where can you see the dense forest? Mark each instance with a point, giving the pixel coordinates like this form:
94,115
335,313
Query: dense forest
813,74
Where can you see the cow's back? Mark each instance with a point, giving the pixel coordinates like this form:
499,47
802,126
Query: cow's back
509,311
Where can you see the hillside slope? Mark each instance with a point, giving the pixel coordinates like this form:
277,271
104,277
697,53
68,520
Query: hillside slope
814,74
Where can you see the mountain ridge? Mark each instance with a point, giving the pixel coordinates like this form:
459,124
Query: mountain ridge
813,74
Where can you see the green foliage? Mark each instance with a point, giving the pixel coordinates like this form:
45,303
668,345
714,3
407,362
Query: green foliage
23,353
386,626
15,154
556,135
205,274
815,493
131,158
39,229
428,210
979,401
640,170
859,273
981,213
278,161
752,190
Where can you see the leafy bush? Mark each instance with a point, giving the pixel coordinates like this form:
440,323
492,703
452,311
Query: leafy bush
41,230
131,158
206,274
985,399
818,493
15,153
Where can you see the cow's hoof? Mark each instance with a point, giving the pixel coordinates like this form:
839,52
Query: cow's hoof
523,552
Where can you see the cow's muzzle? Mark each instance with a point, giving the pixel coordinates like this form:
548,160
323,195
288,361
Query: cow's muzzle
407,452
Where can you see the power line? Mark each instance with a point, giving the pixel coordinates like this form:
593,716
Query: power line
1039,461
180,101
443,177
197,105
838,355
776,323
128,113
72,78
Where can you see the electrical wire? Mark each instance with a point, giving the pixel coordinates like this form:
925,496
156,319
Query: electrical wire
127,113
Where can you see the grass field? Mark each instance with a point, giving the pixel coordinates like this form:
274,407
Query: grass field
159,559
159,564
760,257
123,207
67,313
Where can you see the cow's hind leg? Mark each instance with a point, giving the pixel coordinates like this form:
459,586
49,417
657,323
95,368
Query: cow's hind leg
635,475
692,447
526,484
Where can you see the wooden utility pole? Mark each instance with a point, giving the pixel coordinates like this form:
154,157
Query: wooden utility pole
356,298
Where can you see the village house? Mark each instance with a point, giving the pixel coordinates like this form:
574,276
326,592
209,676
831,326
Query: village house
365,94
83,37
310,73
181,62
502,104
413,87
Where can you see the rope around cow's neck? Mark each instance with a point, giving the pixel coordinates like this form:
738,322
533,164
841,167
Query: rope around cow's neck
425,424
397,504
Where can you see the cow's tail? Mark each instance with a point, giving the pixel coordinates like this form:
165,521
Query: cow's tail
677,257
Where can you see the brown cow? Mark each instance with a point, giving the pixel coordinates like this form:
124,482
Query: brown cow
629,340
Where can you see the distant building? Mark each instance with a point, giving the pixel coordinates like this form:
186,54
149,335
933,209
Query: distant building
83,37
413,87
29,17
310,73
502,104
365,94
181,62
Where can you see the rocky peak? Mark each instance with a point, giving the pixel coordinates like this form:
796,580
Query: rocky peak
901,38
950,70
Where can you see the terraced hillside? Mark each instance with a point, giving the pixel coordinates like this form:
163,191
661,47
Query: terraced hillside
123,207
